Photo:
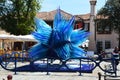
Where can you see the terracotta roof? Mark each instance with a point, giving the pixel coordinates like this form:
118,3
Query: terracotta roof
49,16
85,16
101,17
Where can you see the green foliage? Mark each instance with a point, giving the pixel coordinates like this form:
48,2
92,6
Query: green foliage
17,16
111,13
111,10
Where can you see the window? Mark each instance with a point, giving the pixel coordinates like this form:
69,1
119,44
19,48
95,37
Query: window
107,44
99,46
103,28
86,27
78,25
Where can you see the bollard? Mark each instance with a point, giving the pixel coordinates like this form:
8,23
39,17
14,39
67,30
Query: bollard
99,76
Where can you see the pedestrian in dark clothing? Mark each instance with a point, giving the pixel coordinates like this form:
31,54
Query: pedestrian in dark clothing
116,55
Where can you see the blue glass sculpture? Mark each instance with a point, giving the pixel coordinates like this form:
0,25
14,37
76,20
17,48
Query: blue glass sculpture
60,42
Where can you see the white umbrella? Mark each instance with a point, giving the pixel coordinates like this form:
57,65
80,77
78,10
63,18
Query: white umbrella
25,38
7,37
17,38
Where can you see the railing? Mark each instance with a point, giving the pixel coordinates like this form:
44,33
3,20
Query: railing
93,63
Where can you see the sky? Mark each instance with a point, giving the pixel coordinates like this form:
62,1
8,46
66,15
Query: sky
73,7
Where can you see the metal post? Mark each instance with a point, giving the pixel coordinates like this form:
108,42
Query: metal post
15,63
48,66
80,68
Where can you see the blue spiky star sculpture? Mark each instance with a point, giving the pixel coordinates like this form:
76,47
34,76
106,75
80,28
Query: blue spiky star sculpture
61,41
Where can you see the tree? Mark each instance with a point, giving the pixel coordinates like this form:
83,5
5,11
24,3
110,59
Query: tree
17,16
111,14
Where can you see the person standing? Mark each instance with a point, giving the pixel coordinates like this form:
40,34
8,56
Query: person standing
116,55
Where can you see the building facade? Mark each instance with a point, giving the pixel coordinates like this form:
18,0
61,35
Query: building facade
101,39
